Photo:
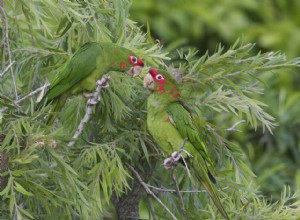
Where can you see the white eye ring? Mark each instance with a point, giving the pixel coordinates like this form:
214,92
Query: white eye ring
133,59
159,77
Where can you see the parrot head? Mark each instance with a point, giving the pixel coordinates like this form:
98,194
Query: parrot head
126,61
162,82
136,66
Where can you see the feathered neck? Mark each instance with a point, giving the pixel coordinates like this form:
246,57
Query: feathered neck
168,90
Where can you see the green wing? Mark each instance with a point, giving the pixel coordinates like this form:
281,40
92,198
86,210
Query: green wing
183,122
80,66
210,188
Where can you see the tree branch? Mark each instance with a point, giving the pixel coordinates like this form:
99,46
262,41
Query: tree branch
6,69
152,210
92,101
6,44
3,169
148,191
179,195
181,191
26,96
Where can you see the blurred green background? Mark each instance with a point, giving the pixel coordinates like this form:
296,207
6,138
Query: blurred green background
273,25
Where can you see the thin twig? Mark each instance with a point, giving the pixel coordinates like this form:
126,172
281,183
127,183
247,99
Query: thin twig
179,195
7,68
32,93
181,148
148,191
182,144
173,190
152,210
7,45
181,191
92,101
186,165
3,37
26,96
232,128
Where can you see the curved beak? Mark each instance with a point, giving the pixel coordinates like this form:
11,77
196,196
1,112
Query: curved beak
134,71
148,82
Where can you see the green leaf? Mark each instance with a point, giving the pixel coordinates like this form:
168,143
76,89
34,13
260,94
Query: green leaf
24,212
246,168
145,150
21,189
12,201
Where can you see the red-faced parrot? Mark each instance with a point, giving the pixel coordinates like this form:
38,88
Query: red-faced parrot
84,68
170,123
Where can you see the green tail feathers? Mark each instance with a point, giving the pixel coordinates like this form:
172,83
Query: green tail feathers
53,113
56,106
206,180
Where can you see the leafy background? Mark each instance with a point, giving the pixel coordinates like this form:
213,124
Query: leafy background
272,26
47,180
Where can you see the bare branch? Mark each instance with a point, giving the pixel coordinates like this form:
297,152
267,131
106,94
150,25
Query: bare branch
26,96
173,190
148,191
181,191
32,93
182,144
7,68
3,168
179,195
152,210
92,101
6,44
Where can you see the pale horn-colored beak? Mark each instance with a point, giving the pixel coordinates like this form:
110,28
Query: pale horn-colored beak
148,82
134,71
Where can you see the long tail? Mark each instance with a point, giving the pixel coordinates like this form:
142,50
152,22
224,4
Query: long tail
54,112
204,178
56,106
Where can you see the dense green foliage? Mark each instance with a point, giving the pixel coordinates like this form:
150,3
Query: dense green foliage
273,25
48,180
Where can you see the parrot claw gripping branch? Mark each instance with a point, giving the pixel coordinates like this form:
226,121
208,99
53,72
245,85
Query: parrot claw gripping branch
176,157
171,124
93,100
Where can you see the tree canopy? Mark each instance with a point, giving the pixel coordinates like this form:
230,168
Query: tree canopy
114,169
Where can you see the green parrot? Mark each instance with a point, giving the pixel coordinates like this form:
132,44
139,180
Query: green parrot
170,123
85,67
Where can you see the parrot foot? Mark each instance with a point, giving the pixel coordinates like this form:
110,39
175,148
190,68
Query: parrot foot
92,101
176,157
94,98
172,161
88,95
103,83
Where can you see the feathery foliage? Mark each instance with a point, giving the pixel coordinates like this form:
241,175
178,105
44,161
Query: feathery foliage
274,26
48,180
45,178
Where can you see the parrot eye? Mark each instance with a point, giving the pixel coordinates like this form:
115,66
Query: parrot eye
159,77
133,59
